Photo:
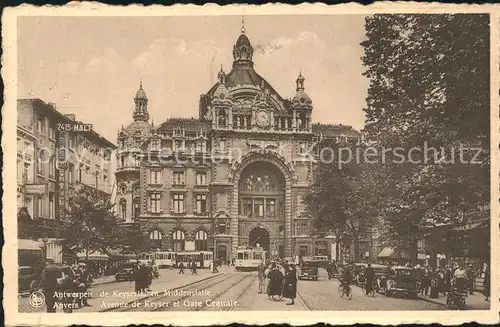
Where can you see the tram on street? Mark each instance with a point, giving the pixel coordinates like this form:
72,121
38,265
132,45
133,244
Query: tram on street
249,258
164,259
203,259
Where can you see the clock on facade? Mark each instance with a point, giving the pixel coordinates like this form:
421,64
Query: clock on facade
263,118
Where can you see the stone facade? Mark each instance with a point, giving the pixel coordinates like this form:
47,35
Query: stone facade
238,173
44,190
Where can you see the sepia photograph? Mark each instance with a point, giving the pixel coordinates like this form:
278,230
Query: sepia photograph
253,162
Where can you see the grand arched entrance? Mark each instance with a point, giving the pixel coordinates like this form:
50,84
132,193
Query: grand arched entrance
261,197
260,236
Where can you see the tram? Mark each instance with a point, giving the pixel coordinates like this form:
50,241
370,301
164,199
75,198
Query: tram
203,259
145,258
164,259
249,258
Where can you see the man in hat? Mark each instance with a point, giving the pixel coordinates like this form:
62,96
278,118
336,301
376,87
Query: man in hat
51,273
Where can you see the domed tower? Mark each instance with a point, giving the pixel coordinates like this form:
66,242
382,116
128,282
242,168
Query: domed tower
242,50
141,105
132,146
302,107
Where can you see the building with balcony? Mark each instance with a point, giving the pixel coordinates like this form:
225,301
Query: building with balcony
43,189
236,175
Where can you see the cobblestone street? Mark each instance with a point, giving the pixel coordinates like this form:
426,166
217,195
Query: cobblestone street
231,290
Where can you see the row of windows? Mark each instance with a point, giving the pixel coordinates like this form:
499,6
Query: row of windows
40,206
179,177
178,201
261,207
179,240
177,145
41,127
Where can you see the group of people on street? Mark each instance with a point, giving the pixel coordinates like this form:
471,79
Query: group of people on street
444,279
278,280
72,281
447,278
191,265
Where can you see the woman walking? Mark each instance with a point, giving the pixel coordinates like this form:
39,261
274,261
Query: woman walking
275,282
290,288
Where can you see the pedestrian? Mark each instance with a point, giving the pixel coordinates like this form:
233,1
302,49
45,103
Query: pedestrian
149,275
215,267
290,287
275,282
486,284
140,278
470,279
193,268
85,282
262,277
426,281
447,279
369,277
181,268
51,273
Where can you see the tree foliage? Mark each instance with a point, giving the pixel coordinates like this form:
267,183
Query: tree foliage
89,223
345,197
429,88
134,238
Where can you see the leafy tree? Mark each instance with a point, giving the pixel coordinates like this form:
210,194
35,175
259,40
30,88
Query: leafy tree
345,198
89,222
134,238
429,86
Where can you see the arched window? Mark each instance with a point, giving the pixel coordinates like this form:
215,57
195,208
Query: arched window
156,236
222,117
123,208
201,241
178,240
137,207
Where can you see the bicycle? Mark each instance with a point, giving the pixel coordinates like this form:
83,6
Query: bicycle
345,289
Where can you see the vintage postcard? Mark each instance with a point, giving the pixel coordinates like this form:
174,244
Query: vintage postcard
254,164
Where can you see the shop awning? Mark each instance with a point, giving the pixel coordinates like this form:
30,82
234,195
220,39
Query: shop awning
94,256
388,252
29,245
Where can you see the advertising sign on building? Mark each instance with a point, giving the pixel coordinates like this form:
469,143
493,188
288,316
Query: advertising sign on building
35,189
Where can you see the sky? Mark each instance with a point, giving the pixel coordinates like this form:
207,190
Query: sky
92,66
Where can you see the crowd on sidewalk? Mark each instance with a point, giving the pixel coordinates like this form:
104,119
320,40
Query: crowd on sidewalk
441,278
278,279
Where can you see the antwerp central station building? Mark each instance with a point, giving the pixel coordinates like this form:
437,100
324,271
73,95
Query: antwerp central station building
236,176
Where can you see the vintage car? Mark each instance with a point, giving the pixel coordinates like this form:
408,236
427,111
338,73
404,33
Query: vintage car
308,270
28,278
401,281
126,272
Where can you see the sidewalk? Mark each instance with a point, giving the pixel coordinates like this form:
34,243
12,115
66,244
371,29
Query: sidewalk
473,302
169,279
